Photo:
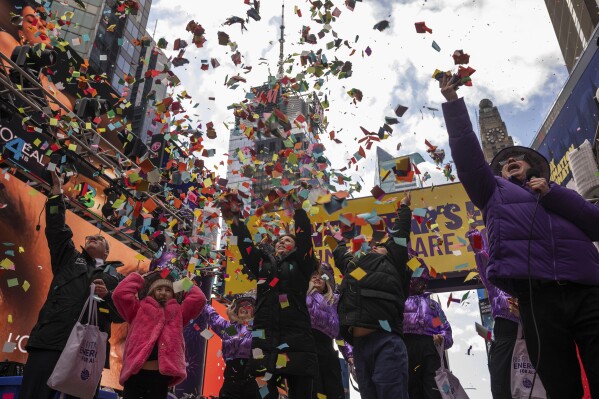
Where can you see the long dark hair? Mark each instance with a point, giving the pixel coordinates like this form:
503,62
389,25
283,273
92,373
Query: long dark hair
8,9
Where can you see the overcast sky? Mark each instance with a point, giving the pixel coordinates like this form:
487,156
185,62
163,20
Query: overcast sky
511,44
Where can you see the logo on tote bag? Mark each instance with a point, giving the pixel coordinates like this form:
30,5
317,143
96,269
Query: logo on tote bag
84,374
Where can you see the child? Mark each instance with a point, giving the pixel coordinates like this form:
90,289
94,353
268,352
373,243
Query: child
424,326
371,304
322,305
154,357
239,382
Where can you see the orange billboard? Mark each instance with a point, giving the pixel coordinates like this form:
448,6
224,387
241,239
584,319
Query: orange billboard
25,272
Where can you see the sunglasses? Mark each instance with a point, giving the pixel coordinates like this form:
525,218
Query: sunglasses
515,158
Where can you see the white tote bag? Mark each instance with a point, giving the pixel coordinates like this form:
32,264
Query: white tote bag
80,365
523,372
448,384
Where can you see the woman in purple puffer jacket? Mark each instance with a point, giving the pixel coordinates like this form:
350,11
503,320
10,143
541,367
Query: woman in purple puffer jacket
505,329
424,326
239,382
322,306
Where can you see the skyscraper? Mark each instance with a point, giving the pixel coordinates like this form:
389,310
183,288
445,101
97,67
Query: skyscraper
493,132
260,164
574,22
108,34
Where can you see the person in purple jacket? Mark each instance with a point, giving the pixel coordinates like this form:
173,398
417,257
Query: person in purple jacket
424,326
239,382
505,328
322,306
540,250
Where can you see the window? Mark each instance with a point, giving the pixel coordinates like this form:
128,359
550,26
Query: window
132,28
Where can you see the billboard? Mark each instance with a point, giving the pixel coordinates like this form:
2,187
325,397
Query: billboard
573,118
25,272
445,212
24,137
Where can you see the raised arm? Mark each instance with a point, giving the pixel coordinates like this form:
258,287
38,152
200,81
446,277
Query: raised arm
124,296
192,304
58,234
250,253
343,258
401,232
472,169
303,233
215,321
571,206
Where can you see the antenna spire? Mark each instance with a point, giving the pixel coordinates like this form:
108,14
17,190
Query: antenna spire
281,72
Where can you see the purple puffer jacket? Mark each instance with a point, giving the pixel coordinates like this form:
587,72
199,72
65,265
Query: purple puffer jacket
565,224
418,315
238,346
500,306
324,318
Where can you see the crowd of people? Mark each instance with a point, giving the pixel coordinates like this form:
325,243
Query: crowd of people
537,261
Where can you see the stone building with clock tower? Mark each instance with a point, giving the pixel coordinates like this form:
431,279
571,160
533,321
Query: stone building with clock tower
493,133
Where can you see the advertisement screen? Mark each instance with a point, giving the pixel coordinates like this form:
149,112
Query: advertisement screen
573,119
25,272
445,209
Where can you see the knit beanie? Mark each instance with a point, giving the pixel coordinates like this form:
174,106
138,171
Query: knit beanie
162,282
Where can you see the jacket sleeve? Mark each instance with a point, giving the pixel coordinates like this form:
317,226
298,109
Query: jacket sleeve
347,351
571,206
342,257
216,322
473,171
303,233
401,230
323,314
58,234
192,304
250,253
445,327
124,296
113,312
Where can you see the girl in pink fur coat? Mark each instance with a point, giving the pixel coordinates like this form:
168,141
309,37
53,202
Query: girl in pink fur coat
154,357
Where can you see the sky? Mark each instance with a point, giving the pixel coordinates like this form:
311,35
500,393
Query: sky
512,46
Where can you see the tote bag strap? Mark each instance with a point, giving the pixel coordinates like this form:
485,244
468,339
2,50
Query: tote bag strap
440,350
520,331
90,306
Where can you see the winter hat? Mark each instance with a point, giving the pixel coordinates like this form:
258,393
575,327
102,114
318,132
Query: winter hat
160,283
243,299
534,158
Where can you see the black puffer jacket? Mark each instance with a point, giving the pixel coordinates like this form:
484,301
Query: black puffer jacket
73,273
379,296
281,327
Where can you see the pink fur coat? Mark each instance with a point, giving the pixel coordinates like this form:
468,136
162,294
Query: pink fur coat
149,322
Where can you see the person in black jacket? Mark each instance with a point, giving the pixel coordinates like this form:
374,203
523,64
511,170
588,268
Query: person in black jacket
371,305
73,272
282,342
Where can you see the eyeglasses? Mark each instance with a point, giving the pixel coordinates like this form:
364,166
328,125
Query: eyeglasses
515,158
95,238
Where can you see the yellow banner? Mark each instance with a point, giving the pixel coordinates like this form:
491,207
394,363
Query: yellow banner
439,240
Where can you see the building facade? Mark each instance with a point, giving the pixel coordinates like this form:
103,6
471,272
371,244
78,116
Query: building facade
493,133
106,35
256,166
574,22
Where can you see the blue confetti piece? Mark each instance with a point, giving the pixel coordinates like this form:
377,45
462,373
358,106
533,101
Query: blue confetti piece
401,241
385,325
